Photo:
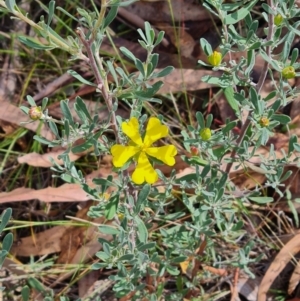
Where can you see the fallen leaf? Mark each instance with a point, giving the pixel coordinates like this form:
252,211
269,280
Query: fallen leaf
278,264
43,160
63,193
294,280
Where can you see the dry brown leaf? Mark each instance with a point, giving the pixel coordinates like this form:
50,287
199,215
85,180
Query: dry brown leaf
63,193
180,38
159,11
185,80
278,264
42,243
295,278
43,160
86,284
84,253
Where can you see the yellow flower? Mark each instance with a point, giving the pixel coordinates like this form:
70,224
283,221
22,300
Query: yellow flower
205,134
215,58
264,122
278,19
140,148
35,113
288,72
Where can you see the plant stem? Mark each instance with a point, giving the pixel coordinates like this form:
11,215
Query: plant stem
101,82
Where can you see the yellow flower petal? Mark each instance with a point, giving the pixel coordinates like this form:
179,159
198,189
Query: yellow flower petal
131,129
144,171
164,153
154,131
121,154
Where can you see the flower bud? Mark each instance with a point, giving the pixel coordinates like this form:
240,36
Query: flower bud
121,216
264,122
205,134
194,151
215,58
278,19
35,113
288,72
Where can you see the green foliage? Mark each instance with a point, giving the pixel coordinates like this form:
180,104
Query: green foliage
214,212
8,238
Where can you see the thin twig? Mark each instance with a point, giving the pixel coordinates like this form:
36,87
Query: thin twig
101,82
259,86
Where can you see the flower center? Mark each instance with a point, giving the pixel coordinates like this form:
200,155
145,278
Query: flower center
143,147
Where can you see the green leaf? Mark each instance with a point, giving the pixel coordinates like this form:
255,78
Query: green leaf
31,101
200,120
294,57
179,259
6,245
126,257
150,92
228,127
111,207
54,128
83,147
110,16
128,53
32,43
125,3
51,11
250,62
5,217
44,103
139,65
113,72
224,81
43,140
166,71
64,106
195,160
261,199
240,14
229,94
268,9
24,109
255,45
11,5
159,38
36,284
149,33
283,119
147,246
253,97
273,63
67,14
206,47
270,96
7,242
292,141
80,78
142,198
104,182
80,107
294,212
25,293
105,229
142,229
